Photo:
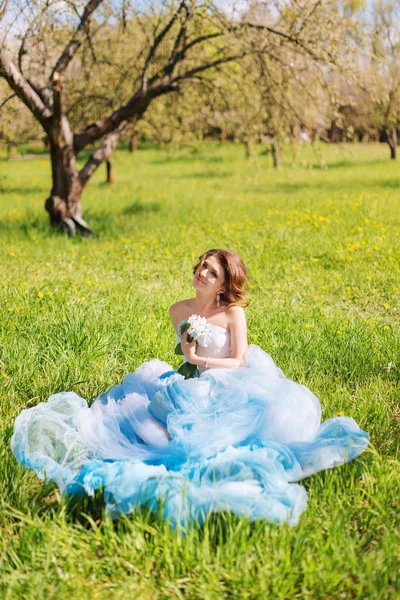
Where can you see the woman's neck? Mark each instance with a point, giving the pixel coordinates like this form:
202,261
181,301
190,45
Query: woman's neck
202,305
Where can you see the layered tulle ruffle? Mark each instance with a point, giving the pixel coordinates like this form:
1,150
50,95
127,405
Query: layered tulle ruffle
240,440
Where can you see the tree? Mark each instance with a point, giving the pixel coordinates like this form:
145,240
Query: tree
379,75
172,44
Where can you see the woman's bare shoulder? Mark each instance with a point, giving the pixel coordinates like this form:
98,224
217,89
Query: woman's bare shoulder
235,313
180,310
234,309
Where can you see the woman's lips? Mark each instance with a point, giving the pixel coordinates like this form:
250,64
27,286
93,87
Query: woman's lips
200,280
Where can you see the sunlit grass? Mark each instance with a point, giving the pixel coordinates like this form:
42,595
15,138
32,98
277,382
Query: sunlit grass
322,250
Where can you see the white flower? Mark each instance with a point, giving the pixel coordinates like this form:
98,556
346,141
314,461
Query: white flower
200,330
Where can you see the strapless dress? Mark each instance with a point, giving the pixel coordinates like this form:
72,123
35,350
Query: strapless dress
241,439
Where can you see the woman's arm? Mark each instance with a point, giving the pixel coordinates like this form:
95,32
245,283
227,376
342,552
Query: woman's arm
238,330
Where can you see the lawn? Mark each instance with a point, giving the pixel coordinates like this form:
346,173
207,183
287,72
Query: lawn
322,248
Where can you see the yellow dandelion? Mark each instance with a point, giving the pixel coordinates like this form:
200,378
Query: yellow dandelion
10,309
40,295
12,253
309,326
340,413
339,332
49,294
386,306
5,375
386,327
89,282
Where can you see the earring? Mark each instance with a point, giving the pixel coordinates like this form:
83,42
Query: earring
217,300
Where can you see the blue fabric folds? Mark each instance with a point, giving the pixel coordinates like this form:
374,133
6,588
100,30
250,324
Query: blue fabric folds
240,440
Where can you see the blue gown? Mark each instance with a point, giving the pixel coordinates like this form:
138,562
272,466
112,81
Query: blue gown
240,440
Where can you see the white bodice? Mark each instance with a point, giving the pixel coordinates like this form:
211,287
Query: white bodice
220,345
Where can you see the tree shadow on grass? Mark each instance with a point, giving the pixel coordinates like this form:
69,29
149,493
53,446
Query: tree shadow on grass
139,207
100,221
107,222
188,158
204,175
351,162
391,183
335,186
28,226
22,191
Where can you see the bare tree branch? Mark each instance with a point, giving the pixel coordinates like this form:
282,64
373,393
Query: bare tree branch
289,38
104,152
179,56
22,50
136,106
159,38
74,44
3,7
7,99
210,65
24,91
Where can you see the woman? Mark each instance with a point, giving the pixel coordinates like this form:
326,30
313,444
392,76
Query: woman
237,437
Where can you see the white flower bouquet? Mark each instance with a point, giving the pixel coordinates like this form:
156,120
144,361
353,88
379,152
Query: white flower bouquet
198,329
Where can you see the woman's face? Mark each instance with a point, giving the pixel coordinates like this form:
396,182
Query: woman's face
209,276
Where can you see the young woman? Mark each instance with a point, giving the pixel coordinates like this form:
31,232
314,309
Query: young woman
235,438
219,279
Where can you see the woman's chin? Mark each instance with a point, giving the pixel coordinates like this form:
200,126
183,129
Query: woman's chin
197,285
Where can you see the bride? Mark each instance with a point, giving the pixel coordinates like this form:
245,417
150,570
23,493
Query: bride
236,437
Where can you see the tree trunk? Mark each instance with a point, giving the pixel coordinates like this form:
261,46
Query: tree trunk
133,143
249,149
392,141
64,203
110,173
275,153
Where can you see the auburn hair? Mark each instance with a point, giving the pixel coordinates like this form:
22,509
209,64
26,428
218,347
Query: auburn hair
235,279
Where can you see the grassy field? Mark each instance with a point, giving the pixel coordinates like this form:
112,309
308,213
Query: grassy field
322,248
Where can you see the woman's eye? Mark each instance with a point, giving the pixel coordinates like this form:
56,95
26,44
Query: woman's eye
214,274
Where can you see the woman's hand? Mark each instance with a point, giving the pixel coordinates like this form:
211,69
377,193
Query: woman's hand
188,348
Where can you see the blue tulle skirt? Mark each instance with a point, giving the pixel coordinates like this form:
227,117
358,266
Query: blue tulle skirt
240,440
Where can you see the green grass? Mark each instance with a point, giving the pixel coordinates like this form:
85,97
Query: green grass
322,250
